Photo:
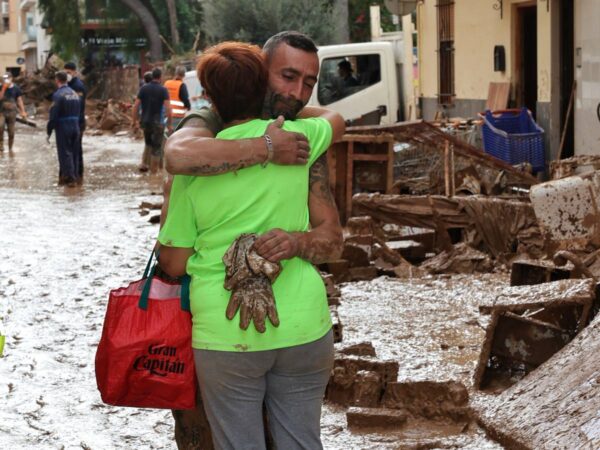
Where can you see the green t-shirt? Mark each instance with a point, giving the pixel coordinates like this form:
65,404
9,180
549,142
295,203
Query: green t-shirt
212,211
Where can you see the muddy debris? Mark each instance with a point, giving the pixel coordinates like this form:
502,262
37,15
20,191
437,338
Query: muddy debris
556,406
419,167
529,324
461,259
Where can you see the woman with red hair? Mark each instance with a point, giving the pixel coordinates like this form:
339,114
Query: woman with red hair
284,361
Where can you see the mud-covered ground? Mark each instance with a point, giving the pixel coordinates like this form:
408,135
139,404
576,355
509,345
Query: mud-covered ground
63,249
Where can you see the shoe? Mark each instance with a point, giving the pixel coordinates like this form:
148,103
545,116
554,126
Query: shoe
143,168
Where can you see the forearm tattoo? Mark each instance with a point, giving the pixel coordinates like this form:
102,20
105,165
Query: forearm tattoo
208,169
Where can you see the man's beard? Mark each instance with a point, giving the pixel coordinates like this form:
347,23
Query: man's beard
278,105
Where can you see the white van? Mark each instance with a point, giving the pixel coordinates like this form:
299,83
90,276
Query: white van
376,99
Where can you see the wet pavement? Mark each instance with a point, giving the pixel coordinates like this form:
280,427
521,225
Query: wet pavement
63,249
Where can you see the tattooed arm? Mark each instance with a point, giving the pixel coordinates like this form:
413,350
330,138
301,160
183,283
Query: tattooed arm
324,242
193,150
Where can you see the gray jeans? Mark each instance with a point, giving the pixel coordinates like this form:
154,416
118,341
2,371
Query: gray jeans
291,382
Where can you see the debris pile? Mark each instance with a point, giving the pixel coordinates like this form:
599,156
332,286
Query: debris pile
110,115
368,387
556,406
528,325
366,254
428,157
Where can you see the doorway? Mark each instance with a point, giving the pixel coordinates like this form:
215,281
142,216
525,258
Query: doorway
526,56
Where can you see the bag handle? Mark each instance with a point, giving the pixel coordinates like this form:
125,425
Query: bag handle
149,275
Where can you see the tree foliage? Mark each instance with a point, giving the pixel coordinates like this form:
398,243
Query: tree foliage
359,18
256,20
63,20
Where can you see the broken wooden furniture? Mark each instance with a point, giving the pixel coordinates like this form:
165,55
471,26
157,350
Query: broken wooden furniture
557,406
360,163
420,162
569,166
498,226
528,325
527,272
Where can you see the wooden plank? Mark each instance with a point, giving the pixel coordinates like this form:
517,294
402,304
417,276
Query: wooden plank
390,168
520,298
498,94
349,180
363,157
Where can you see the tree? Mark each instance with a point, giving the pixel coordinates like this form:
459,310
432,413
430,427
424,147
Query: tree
64,22
359,18
257,20
173,23
150,26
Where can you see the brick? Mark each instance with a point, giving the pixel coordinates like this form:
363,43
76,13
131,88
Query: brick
375,418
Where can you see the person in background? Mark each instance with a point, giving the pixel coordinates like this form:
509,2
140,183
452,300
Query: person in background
345,73
152,98
77,85
64,121
11,99
178,95
145,165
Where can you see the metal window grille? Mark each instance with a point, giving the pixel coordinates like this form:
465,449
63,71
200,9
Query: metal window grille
445,51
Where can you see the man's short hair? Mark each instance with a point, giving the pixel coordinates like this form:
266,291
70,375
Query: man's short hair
70,66
61,76
147,77
293,39
235,77
180,71
156,73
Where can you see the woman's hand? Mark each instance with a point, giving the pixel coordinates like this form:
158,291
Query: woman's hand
276,245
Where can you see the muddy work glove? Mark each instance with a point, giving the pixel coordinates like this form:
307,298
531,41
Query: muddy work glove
249,276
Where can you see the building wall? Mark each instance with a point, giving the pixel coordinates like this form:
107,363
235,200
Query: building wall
477,29
587,75
35,42
10,40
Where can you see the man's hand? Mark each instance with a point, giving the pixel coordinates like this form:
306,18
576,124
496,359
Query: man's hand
276,245
48,138
169,130
135,125
289,148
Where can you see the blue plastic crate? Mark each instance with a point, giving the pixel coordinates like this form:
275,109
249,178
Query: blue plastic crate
514,137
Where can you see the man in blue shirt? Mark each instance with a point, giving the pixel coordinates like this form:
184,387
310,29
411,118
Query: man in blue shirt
153,101
11,99
77,85
64,120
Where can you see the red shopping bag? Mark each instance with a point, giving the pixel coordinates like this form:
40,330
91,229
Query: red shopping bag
144,358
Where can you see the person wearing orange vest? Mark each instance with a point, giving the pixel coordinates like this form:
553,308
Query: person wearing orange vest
178,95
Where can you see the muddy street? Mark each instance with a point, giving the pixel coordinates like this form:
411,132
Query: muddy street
63,249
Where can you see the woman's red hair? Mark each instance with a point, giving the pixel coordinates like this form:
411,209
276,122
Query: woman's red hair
235,77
